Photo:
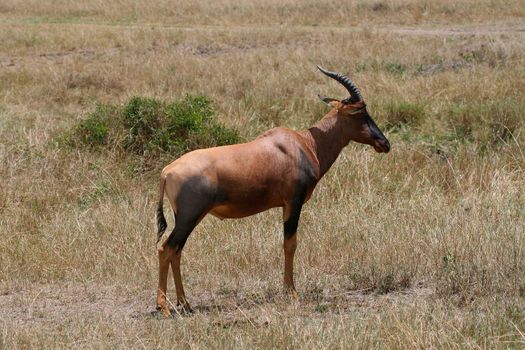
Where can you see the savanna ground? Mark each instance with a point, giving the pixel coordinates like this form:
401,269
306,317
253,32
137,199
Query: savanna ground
421,248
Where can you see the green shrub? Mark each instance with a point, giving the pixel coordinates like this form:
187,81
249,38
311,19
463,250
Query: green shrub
141,117
149,127
92,132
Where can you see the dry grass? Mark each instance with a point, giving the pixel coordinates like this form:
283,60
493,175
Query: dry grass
266,12
421,248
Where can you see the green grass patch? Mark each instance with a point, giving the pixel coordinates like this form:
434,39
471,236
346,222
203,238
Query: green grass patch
393,68
483,125
396,68
487,123
399,114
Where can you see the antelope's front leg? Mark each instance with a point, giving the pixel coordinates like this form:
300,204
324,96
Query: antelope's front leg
291,214
175,267
290,244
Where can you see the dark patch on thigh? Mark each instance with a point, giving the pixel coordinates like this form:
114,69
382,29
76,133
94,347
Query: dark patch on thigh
194,195
195,198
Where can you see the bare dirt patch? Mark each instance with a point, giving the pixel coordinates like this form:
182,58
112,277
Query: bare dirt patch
486,29
102,55
57,303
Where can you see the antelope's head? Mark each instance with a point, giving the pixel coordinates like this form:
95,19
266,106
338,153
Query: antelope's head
353,109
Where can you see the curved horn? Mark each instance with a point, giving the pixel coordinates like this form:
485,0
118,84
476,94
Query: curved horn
355,95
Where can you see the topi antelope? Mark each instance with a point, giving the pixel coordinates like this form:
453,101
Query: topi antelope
280,168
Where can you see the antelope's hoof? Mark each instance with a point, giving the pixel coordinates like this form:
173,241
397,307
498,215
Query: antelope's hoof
164,310
292,293
184,307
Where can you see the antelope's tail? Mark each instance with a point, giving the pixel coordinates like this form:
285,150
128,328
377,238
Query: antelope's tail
161,220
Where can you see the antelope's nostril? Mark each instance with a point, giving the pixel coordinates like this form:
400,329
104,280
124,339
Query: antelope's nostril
384,145
387,146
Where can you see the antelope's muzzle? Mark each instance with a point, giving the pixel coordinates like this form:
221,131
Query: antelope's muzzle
382,146
381,143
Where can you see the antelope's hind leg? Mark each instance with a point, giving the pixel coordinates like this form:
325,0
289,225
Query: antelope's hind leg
197,194
164,268
176,244
171,256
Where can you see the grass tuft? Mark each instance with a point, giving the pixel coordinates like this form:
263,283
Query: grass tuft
400,113
487,123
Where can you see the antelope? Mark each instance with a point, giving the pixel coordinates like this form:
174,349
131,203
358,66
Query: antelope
280,168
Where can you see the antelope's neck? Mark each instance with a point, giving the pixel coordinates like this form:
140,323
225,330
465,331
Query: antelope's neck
327,138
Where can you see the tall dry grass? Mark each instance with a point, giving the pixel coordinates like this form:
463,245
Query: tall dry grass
420,248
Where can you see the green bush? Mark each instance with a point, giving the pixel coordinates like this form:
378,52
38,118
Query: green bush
92,132
141,118
149,127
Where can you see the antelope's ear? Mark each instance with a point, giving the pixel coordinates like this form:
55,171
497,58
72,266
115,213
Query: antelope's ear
331,102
